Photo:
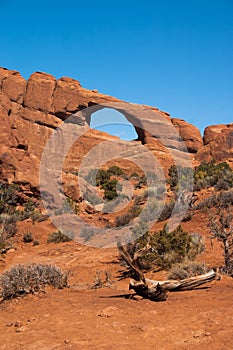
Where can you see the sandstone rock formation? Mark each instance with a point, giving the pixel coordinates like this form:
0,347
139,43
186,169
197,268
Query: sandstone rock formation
218,143
31,110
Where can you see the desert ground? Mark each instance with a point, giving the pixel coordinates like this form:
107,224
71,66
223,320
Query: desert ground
108,318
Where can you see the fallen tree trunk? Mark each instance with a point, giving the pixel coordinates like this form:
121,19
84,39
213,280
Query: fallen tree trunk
158,290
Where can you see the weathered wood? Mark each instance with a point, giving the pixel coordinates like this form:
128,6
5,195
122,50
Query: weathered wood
126,257
187,283
158,290
153,292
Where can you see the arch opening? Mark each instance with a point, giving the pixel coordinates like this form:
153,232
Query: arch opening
114,123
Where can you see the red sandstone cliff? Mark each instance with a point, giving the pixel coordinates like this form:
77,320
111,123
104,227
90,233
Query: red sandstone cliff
31,110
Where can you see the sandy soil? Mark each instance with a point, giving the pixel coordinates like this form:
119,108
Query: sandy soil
81,318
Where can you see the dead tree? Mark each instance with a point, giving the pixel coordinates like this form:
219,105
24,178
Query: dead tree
158,290
221,228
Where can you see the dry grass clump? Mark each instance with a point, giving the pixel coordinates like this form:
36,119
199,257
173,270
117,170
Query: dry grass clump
187,269
26,279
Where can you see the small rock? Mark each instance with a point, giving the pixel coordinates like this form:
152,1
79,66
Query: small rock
137,297
197,335
10,324
17,324
108,312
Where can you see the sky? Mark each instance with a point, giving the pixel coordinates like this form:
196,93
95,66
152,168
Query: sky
175,55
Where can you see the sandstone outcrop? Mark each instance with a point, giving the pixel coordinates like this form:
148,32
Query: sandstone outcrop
190,134
218,143
31,110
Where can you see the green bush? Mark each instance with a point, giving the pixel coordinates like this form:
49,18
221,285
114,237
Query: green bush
180,177
103,179
209,174
110,189
134,175
9,197
115,170
142,181
23,279
58,237
163,249
28,238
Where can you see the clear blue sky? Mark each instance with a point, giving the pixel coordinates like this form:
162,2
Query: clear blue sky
175,55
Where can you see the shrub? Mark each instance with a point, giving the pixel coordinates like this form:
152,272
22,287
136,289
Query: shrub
209,174
35,243
9,197
197,245
41,217
110,189
134,175
28,238
124,219
180,177
10,230
22,279
102,282
29,206
187,269
115,170
58,237
167,211
7,230
140,229
223,200
221,228
91,177
111,205
68,205
187,216
163,249
102,177
92,198
142,181
150,211
88,232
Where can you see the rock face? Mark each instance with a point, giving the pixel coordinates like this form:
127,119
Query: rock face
190,134
218,143
31,110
